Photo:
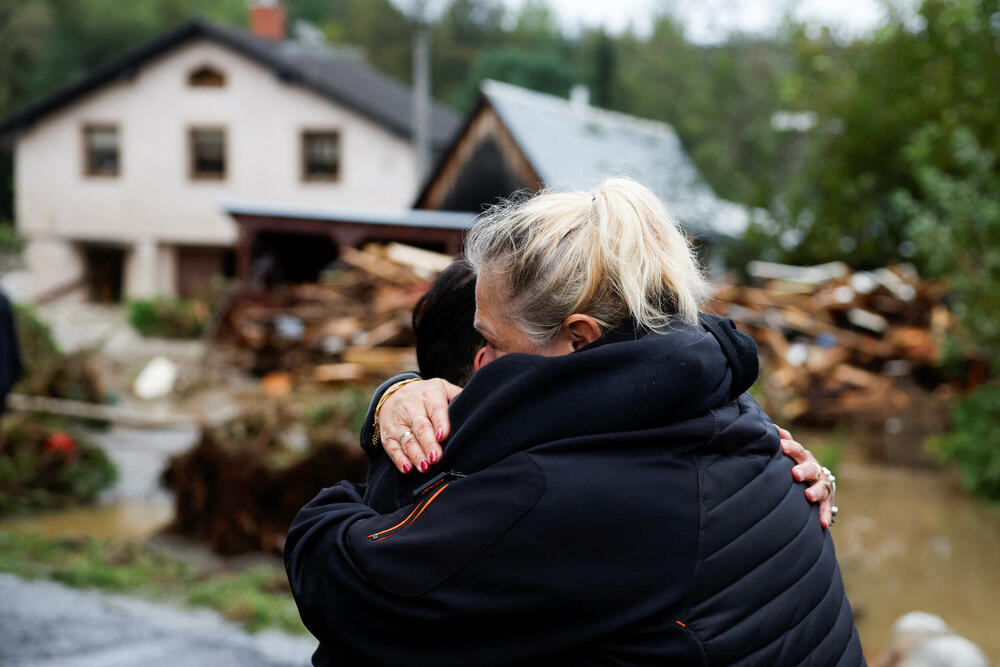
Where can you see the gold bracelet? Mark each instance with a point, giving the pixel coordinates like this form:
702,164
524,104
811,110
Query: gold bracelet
388,392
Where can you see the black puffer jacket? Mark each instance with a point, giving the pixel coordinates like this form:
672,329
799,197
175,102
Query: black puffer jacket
626,504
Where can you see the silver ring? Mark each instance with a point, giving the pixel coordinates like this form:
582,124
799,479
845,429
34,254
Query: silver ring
831,485
404,436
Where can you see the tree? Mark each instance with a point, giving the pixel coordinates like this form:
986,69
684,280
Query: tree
872,100
719,99
956,229
544,70
465,30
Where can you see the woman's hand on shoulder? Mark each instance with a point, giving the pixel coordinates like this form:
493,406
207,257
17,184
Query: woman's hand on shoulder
413,420
809,470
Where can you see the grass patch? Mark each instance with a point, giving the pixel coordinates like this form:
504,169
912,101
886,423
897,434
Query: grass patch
257,598
168,317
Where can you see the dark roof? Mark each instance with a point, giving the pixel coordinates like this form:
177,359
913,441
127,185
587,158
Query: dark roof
340,78
576,146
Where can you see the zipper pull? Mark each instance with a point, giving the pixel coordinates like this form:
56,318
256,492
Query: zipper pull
435,481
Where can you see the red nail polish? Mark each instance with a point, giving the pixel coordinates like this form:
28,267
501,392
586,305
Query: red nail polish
406,468
433,457
423,466
440,434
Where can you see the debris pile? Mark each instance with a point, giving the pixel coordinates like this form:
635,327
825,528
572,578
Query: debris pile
837,344
353,325
240,487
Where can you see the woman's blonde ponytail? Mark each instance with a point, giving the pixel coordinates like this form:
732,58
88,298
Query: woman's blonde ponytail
611,253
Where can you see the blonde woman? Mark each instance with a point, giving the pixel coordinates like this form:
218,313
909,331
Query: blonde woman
611,494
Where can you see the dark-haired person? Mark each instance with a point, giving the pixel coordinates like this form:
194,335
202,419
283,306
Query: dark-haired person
444,324
610,494
447,347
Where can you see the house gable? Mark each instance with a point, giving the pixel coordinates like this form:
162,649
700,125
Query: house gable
482,165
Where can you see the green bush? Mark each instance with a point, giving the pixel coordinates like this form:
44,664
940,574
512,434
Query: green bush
974,444
11,243
38,348
956,231
45,464
168,317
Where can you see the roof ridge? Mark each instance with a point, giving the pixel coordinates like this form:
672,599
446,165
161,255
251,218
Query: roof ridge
504,88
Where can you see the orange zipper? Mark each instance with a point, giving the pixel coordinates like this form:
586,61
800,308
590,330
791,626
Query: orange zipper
410,518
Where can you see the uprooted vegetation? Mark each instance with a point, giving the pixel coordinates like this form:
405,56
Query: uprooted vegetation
240,487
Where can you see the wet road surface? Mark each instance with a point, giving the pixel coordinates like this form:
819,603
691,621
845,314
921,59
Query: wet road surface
44,624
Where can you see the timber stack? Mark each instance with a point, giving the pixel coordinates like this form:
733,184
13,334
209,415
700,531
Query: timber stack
839,345
354,325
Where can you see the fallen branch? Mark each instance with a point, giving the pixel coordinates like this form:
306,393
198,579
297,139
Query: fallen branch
113,413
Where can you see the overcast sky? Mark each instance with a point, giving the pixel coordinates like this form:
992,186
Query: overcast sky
712,20
709,21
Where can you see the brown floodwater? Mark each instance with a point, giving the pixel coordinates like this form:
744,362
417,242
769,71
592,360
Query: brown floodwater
132,519
911,539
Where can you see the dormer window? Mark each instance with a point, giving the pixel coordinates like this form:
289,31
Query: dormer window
206,76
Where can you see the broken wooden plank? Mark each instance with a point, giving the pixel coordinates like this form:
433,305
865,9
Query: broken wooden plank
382,359
380,334
113,413
813,276
865,319
858,377
338,372
374,266
424,263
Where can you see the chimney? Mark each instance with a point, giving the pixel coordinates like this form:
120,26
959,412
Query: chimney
267,19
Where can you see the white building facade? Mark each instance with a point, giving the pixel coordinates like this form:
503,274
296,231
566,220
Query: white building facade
119,187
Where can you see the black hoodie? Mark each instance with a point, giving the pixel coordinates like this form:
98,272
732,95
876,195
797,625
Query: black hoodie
626,504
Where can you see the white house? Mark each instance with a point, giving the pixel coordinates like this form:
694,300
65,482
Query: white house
119,177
